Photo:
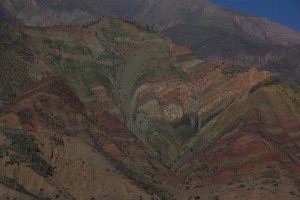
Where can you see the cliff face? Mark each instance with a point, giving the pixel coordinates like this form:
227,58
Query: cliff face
115,111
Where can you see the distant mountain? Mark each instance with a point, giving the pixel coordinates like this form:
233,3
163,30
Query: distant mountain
208,30
113,110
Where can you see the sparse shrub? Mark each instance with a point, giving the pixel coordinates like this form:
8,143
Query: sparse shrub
24,116
26,150
11,183
217,197
56,140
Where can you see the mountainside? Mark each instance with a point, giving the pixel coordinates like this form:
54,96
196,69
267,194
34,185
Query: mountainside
207,29
113,110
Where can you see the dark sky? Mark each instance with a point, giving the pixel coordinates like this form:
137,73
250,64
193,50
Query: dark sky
286,12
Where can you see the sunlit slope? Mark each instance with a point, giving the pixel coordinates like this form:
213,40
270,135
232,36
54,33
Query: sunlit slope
138,115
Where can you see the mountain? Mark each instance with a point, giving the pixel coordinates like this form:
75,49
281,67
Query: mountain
208,30
113,110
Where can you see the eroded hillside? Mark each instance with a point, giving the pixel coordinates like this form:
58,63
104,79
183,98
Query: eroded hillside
115,111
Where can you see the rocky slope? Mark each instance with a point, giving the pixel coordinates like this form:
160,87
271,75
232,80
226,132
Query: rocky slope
115,111
207,29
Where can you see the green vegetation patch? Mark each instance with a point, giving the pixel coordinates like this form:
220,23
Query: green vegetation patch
15,55
176,133
67,46
76,49
53,61
113,30
53,44
78,74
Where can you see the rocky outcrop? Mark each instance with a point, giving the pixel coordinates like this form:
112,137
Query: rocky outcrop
116,111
